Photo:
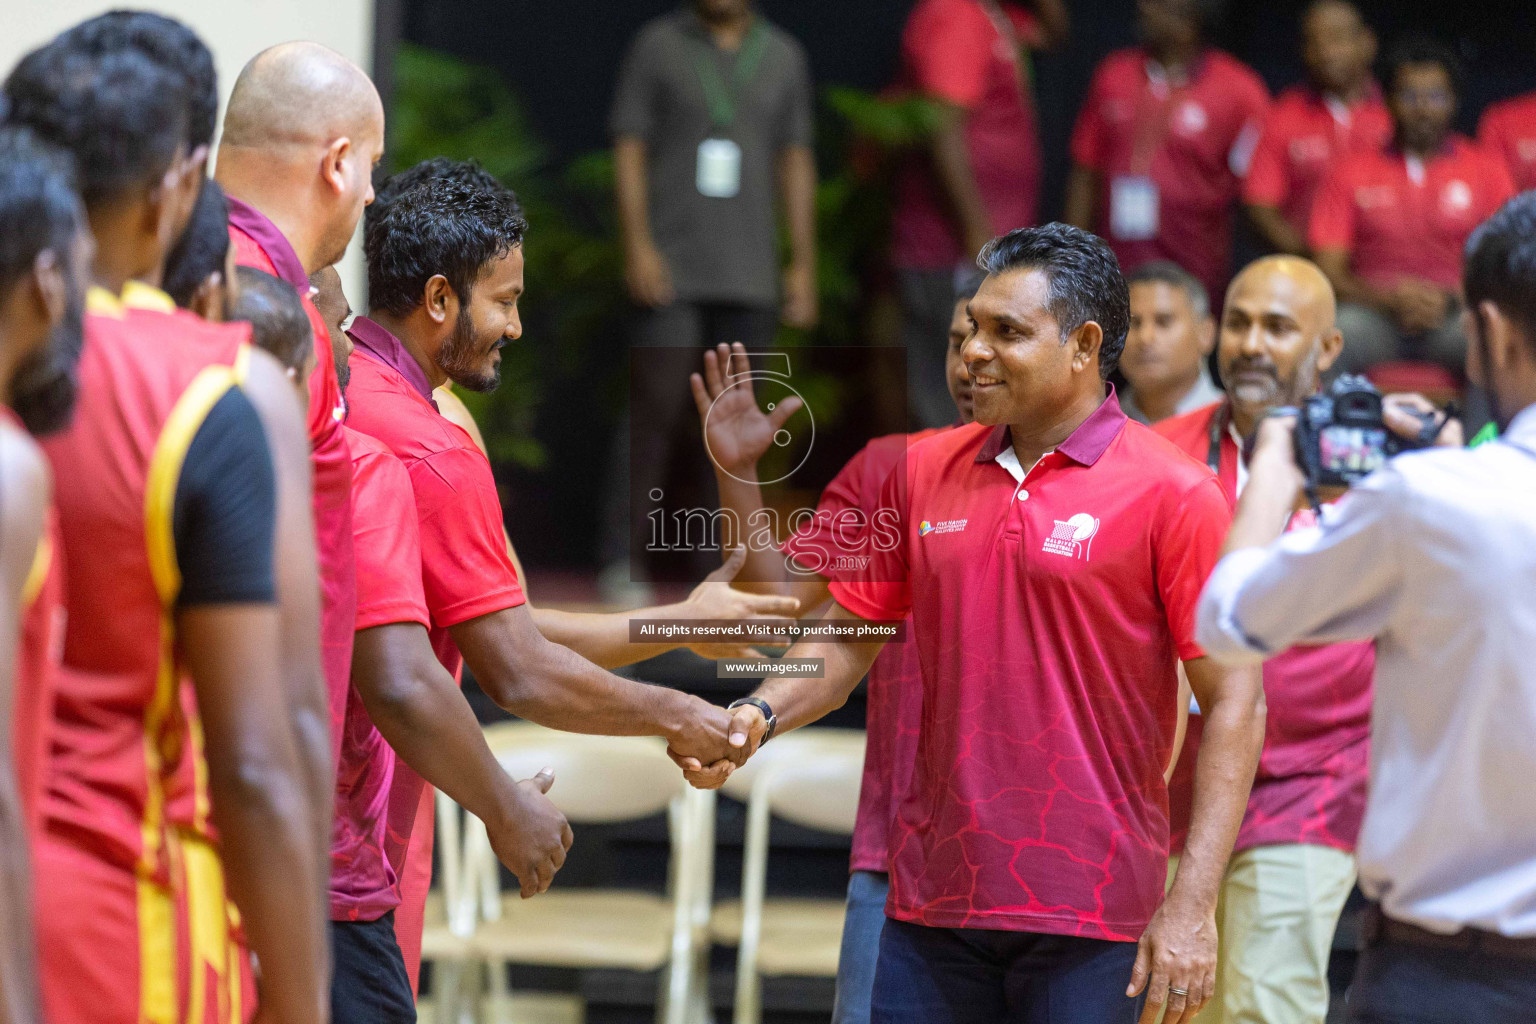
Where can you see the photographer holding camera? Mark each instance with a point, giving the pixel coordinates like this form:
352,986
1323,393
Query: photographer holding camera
1433,555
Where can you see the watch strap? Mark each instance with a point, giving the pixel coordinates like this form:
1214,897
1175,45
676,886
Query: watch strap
761,705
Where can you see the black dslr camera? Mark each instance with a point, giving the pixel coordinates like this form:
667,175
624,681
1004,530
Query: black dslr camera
1341,437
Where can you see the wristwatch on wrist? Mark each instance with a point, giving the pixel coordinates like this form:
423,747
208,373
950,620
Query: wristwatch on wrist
768,715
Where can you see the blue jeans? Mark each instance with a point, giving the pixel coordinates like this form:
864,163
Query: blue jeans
1403,984
861,946
976,976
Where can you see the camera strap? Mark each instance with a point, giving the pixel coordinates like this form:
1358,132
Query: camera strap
1218,431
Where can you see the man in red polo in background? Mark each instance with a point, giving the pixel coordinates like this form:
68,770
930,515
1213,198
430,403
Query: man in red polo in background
1294,866
1338,110
1508,129
302,133
1051,556
1388,225
737,435
1162,143
979,174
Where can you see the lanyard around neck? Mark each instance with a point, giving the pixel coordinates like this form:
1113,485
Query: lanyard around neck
721,96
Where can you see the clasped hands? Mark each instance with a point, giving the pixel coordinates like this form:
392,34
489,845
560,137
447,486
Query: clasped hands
716,742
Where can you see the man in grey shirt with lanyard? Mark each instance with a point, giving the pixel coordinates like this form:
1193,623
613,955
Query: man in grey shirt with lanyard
712,117
1434,556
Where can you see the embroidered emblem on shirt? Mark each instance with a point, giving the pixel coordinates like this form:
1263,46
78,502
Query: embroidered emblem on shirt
1192,118
1456,197
944,526
1072,538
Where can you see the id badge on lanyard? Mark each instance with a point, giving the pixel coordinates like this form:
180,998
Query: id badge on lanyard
1135,202
717,172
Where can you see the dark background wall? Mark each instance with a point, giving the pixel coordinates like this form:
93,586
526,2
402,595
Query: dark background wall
561,58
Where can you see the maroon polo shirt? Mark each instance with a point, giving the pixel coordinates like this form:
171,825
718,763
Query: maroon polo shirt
1311,781
1049,610
1508,131
832,545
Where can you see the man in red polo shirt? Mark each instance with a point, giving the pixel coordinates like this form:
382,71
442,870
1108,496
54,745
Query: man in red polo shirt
1338,110
1508,129
302,133
1163,141
1294,866
1388,225
1051,556
738,434
978,176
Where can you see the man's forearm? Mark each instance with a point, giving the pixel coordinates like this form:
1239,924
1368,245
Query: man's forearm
19,1003
630,192
1230,743
800,701
423,715
952,163
1266,504
797,180
603,639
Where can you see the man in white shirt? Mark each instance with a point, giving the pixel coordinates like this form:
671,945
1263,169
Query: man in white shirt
1435,557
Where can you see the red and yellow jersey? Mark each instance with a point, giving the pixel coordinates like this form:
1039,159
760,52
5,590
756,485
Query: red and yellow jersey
37,656
148,378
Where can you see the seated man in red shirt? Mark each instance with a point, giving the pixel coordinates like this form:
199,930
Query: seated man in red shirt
1051,556
1162,143
978,176
1293,866
43,273
1389,224
1338,110
1508,130
1169,341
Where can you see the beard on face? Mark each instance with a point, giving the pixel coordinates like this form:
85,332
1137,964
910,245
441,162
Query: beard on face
1276,391
463,357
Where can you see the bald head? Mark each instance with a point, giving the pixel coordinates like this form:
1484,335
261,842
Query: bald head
302,134
301,93
1277,335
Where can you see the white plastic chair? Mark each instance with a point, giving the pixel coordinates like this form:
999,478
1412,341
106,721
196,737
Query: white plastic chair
450,921
810,777
601,780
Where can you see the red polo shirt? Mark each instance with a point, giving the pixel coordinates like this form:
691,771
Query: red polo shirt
1191,140
832,545
1311,782
1049,613
258,243
1508,130
964,53
465,569
1396,224
364,884
1305,135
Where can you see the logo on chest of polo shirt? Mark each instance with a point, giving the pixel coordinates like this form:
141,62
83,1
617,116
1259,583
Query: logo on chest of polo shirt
1072,538
924,528
1525,149
1456,197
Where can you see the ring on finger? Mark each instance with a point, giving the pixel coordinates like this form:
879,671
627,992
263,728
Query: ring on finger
1178,991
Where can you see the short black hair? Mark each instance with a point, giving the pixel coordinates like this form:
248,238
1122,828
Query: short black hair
39,211
202,248
441,226
278,322
121,116
1422,49
1082,276
438,168
1170,273
168,43
1499,265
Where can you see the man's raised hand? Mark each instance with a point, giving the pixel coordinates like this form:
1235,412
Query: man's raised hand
736,432
715,598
